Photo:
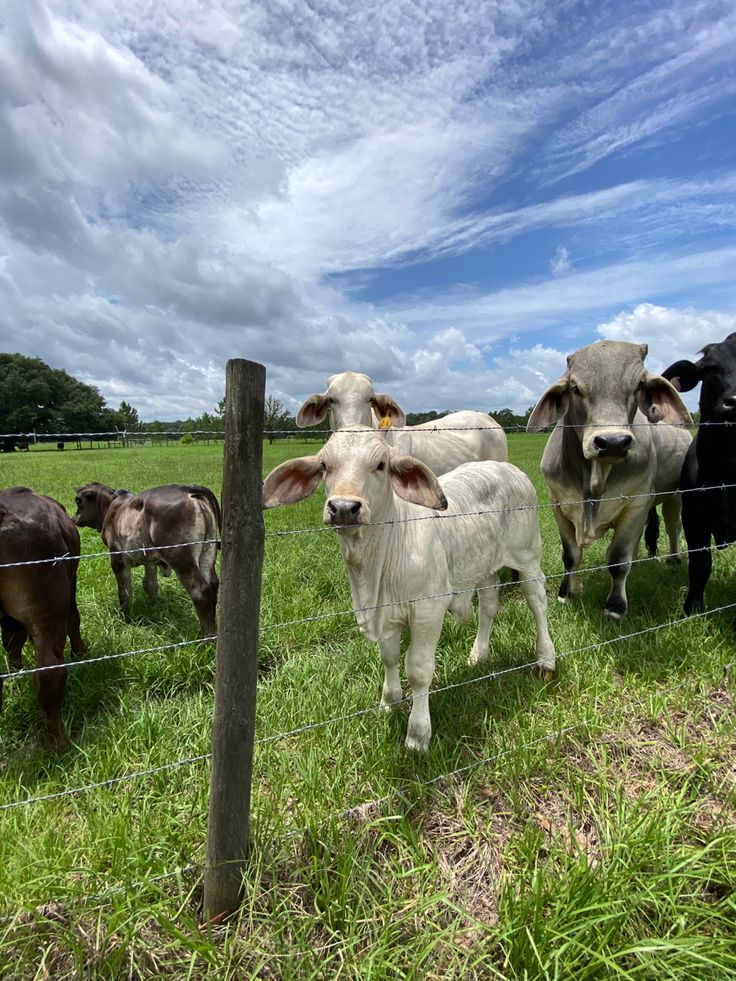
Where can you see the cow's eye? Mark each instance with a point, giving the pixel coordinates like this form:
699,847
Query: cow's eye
574,389
381,466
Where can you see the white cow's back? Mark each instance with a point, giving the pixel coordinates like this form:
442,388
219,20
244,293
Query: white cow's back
446,443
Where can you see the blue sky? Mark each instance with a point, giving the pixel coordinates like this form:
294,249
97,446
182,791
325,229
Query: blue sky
450,197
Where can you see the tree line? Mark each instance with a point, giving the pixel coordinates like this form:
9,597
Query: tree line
35,398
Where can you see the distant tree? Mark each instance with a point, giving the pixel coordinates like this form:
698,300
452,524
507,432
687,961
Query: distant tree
125,418
34,396
276,418
506,418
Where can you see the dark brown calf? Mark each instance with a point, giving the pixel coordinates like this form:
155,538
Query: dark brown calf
39,601
172,514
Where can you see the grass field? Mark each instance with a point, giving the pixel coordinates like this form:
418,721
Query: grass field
598,841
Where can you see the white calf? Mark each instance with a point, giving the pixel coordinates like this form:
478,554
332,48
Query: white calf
376,499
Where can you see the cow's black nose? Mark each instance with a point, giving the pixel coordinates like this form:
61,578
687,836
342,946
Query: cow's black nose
730,401
343,510
613,445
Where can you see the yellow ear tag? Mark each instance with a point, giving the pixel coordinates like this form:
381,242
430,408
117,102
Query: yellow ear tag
385,423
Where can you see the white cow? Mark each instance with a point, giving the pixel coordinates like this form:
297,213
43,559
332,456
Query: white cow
395,551
442,445
605,452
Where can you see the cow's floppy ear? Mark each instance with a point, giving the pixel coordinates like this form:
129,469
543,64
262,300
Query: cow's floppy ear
384,405
313,411
684,375
292,481
658,400
552,405
415,482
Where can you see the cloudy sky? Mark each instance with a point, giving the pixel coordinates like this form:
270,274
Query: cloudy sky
449,196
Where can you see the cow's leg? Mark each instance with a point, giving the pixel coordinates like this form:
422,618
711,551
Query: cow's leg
50,685
419,671
651,531
532,583
671,512
390,653
695,522
14,637
125,588
620,553
487,607
78,646
150,580
201,593
571,555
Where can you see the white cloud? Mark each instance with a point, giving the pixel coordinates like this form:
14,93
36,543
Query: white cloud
560,261
670,333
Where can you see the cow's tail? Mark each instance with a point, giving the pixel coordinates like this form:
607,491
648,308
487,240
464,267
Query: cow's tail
205,494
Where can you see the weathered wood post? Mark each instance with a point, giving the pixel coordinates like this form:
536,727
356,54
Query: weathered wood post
233,722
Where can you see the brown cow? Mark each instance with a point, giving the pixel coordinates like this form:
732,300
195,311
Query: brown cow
39,601
162,516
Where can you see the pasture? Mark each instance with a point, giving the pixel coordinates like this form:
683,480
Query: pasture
582,828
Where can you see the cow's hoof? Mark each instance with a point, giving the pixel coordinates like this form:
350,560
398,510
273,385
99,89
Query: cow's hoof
387,706
616,615
417,744
477,657
546,673
562,599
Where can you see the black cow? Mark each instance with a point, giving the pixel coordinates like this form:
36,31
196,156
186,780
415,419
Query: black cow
39,601
710,461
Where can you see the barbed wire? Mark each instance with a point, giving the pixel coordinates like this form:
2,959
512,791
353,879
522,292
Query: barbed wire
319,529
26,672
431,426
520,507
354,611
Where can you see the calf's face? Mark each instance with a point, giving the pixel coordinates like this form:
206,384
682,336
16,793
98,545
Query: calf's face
717,372
351,401
86,501
360,472
599,394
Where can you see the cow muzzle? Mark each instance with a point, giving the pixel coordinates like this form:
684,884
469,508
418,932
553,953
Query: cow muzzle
609,447
345,512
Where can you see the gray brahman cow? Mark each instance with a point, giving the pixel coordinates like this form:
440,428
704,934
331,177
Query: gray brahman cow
605,452
407,567
442,445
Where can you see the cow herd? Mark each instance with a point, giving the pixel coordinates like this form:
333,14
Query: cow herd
426,515
167,528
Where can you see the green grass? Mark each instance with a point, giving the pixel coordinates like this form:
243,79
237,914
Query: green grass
606,852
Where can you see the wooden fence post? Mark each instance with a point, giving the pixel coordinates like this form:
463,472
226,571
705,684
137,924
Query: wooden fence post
233,722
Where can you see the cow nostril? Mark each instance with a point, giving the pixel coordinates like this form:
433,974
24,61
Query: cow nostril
730,402
331,507
616,445
354,507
